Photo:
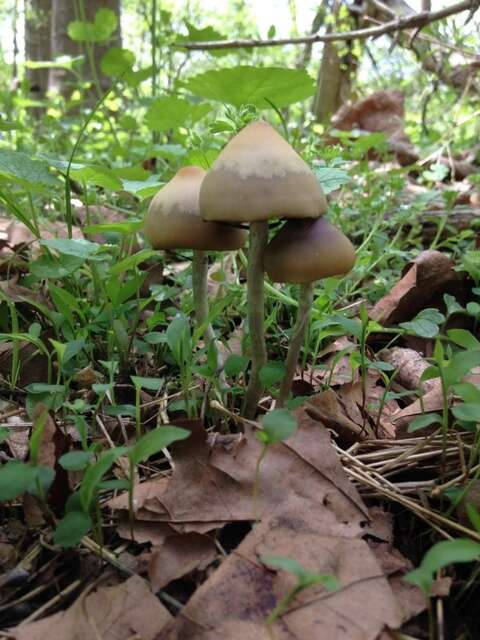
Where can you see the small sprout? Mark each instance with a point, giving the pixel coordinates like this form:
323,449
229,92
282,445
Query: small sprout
278,425
439,556
304,578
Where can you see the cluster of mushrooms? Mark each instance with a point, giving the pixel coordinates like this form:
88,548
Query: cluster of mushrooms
257,177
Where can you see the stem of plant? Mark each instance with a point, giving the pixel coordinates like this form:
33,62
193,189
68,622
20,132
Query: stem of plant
255,302
200,297
305,301
256,480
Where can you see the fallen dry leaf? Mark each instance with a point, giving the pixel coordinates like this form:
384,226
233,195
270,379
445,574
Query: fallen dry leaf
382,111
306,530
428,274
122,612
179,555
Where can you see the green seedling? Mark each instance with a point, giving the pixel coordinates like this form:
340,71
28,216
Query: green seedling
147,446
305,579
439,556
152,384
277,426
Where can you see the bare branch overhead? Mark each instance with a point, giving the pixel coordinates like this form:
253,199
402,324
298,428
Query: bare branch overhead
417,20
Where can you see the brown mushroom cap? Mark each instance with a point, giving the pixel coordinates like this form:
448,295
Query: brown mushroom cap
173,220
308,250
258,176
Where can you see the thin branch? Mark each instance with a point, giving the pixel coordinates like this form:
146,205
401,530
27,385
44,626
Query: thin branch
408,22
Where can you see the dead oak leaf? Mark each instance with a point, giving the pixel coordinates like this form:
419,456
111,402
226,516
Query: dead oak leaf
120,612
429,273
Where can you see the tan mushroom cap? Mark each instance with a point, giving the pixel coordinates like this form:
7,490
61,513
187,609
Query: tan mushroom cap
308,250
259,176
173,220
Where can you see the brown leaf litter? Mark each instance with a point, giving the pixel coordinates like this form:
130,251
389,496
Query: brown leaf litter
121,612
309,512
429,274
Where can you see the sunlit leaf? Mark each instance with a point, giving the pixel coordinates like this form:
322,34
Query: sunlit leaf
253,85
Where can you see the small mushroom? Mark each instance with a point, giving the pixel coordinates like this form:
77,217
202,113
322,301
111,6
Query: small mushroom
173,222
302,252
258,177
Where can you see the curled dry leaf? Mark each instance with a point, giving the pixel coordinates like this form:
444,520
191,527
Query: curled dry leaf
211,487
429,274
178,556
122,612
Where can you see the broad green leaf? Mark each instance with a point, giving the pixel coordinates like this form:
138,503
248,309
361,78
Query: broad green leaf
25,170
178,338
425,420
76,460
130,262
100,30
468,411
452,305
116,61
278,425
142,188
235,364
331,178
97,176
461,364
171,112
76,248
467,391
253,85
15,478
272,373
71,529
439,556
463,338
121,410
156,440
4,434
425,324
61,267
152,384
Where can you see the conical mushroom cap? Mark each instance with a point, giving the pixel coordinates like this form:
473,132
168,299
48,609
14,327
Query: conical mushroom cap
258,176
173,220
308,250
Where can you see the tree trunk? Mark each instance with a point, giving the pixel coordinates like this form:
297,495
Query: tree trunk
37,43
64,12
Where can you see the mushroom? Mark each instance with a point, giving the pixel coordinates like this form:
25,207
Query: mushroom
173,222
256,178
302,252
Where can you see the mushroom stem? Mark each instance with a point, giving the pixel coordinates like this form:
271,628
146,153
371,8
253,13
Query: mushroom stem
200,299
255,301
305,301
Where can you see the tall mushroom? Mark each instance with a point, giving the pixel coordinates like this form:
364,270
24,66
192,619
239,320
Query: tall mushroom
173,222
302,252
257,177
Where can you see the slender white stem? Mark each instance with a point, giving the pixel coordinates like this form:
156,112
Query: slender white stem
200,291
256,303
